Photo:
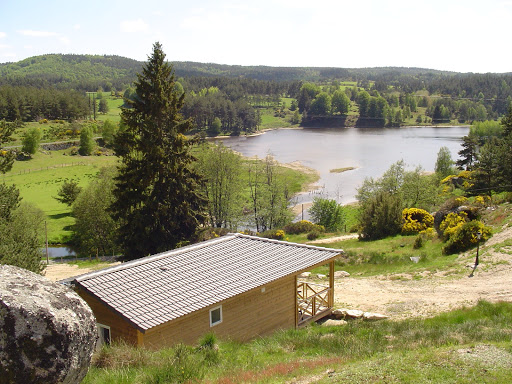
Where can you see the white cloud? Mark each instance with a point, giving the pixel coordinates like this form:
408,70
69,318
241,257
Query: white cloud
2,34
138,25
77,26
65,40
3,46
29,32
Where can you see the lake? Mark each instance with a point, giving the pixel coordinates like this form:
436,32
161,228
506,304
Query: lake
370,150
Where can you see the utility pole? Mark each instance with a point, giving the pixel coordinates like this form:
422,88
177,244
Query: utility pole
46,235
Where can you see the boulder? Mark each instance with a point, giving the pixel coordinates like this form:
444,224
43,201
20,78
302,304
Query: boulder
333,323
344,313
353,313
305,274
339,274
47,332
373,316
338,314
320,276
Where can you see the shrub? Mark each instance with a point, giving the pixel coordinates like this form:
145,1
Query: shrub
276,234
418,242
302,226
327,213
452,222
381,216
313,235
465,237
416,220
86,142
31,140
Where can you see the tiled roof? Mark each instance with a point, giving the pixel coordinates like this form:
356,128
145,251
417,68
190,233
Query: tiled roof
159,288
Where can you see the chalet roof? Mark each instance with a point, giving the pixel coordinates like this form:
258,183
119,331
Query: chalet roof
162,287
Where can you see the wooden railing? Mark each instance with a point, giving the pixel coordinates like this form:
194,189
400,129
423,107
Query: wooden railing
312,300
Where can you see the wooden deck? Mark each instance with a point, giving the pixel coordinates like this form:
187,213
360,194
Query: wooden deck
313,302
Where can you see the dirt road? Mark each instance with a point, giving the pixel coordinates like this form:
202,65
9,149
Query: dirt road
402,296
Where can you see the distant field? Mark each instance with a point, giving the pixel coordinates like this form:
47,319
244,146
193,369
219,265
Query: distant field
114,105
39,180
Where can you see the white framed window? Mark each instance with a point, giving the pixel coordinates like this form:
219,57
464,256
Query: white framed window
215,315
103,335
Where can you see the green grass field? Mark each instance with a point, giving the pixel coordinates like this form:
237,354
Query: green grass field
39,180
114,108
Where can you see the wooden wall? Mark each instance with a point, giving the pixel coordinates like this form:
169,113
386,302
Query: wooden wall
119,327
250,314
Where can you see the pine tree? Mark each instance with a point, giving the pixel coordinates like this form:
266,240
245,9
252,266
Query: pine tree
157,199
468,153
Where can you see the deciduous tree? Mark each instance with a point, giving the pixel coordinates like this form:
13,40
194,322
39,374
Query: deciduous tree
21,231
31,140
221,170
68,192
95,230
444,163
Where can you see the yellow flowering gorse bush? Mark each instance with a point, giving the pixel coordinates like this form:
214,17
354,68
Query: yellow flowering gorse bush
416,220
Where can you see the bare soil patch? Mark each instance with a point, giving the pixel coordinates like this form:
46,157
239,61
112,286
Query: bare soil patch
58,271
404,296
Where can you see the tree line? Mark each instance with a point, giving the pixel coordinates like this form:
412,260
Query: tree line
31,104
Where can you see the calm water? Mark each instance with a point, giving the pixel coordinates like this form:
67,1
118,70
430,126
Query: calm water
371,151
56,252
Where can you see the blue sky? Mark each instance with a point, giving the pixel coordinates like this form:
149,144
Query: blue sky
462,36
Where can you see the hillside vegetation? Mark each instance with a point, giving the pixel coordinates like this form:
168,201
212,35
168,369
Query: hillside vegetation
469,345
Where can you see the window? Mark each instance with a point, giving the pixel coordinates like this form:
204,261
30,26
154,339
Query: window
215,316
104,335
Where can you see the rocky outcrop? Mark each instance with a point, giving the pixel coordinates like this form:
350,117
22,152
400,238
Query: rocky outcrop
47,332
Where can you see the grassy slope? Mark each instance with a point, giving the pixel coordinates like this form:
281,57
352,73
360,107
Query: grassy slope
464,346
39,180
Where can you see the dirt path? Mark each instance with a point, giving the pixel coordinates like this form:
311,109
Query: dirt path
58,271
403,296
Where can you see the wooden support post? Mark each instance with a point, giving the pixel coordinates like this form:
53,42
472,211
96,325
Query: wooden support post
140,339
331,284
296,303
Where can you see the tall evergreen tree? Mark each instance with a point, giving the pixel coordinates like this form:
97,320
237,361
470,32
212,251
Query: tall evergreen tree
157,199
468,153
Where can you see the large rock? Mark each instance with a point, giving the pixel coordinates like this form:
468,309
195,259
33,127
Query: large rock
333,323
339,274
374,316
47,332
344,313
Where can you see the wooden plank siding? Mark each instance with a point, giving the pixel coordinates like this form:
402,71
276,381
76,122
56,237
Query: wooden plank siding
245,316
120,329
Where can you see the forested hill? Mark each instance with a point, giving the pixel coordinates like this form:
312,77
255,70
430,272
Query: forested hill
466,96
87,72
80,72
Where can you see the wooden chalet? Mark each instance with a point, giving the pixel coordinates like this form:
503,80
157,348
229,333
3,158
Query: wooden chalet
236,286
